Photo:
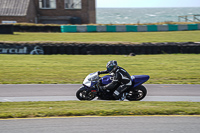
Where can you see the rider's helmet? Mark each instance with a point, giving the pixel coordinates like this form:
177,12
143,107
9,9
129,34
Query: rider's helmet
111,66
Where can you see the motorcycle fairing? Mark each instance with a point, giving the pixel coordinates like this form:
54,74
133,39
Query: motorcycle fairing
89,84
106,79
91,79
136,79
139,79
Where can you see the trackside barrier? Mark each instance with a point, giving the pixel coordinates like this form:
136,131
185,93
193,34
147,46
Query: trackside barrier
21,28
6,29
98,28
99,48
128,28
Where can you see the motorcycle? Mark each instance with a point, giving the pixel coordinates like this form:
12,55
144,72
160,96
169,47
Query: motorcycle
90,88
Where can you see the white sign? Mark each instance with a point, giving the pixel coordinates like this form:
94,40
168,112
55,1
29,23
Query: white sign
9,22
13,50
21,50
37,50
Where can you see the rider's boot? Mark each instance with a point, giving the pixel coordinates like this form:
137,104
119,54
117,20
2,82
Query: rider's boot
123,96
118,94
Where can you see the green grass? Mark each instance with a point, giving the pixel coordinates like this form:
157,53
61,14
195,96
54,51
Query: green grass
175,36
95,108
64,69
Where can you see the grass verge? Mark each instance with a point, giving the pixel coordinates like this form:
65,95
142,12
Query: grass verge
66,69
95,108
171,36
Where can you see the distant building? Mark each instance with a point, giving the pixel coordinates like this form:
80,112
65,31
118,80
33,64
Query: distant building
48,11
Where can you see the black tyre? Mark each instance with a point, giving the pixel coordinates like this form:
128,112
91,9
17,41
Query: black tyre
137,93
84,94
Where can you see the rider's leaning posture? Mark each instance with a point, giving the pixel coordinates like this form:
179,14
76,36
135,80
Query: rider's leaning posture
121,80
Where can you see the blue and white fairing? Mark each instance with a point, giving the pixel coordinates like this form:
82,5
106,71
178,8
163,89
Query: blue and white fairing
136,79
91,79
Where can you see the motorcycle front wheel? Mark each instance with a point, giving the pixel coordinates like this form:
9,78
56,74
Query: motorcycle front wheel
84,94
137,93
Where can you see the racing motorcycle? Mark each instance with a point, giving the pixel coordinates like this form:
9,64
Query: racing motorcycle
90,88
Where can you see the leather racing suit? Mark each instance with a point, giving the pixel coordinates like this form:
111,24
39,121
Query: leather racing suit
121,81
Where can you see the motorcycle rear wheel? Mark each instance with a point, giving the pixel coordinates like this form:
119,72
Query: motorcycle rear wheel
84,94
137,93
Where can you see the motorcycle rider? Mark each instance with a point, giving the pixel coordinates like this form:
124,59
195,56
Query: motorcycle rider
121,80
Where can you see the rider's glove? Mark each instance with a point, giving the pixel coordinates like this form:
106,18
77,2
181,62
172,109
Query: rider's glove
98,72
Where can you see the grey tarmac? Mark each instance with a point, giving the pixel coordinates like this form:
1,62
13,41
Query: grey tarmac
139,124
135,124
65,92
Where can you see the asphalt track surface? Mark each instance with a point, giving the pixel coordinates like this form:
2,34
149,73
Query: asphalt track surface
139,124
65,92
136,124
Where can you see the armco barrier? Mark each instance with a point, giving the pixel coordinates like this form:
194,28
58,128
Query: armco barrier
131,28
99,48
128,28
9,29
